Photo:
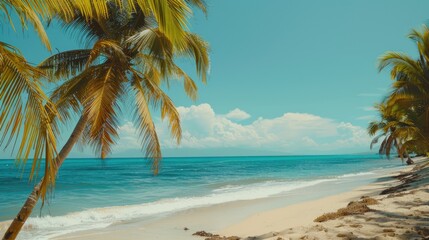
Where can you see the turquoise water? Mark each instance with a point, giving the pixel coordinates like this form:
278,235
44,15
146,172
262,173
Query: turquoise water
87,184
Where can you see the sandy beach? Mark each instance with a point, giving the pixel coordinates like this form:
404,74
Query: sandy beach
214,120
401,212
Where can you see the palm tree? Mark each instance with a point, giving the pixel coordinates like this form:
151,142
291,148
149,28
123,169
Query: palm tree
397,130
405,112
129,55
18,78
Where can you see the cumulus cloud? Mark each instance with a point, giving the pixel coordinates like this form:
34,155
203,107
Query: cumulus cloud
128,138
299,133
237,114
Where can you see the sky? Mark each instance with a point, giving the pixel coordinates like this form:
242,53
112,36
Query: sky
286,77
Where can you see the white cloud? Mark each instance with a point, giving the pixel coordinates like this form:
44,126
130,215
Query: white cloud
237,114
298,133
127,137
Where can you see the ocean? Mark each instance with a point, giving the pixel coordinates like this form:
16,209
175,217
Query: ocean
93,193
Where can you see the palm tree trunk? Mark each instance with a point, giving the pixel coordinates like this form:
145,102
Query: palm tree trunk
27,208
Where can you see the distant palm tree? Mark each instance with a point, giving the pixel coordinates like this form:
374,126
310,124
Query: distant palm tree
397,130
405,112
132,52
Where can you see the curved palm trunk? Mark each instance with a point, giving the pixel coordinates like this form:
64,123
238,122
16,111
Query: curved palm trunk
27,208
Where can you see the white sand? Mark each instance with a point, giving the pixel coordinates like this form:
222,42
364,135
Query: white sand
400,215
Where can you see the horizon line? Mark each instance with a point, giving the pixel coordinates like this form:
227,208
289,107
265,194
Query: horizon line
220,156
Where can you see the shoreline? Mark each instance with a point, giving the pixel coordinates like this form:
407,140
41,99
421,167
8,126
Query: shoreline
261,218
244,218
399,212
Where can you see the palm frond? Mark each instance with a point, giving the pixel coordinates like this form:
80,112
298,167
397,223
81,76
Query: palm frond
68,97
65,64
189,84
157,97
195,47
108,49
155,44
171,15
25,114
101,106
146,127
399,61
160,50
27,11
201,4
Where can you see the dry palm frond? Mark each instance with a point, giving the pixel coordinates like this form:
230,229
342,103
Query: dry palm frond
65,64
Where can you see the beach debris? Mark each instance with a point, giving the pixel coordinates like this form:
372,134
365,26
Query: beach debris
346,235
211,236
186,229
352,208
389,232
204,234
319,228
233,238
422,231
356,225
369,201
223,238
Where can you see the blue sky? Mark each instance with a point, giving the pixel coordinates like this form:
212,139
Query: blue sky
287,77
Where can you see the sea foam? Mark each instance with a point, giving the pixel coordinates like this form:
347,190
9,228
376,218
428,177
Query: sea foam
52,226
